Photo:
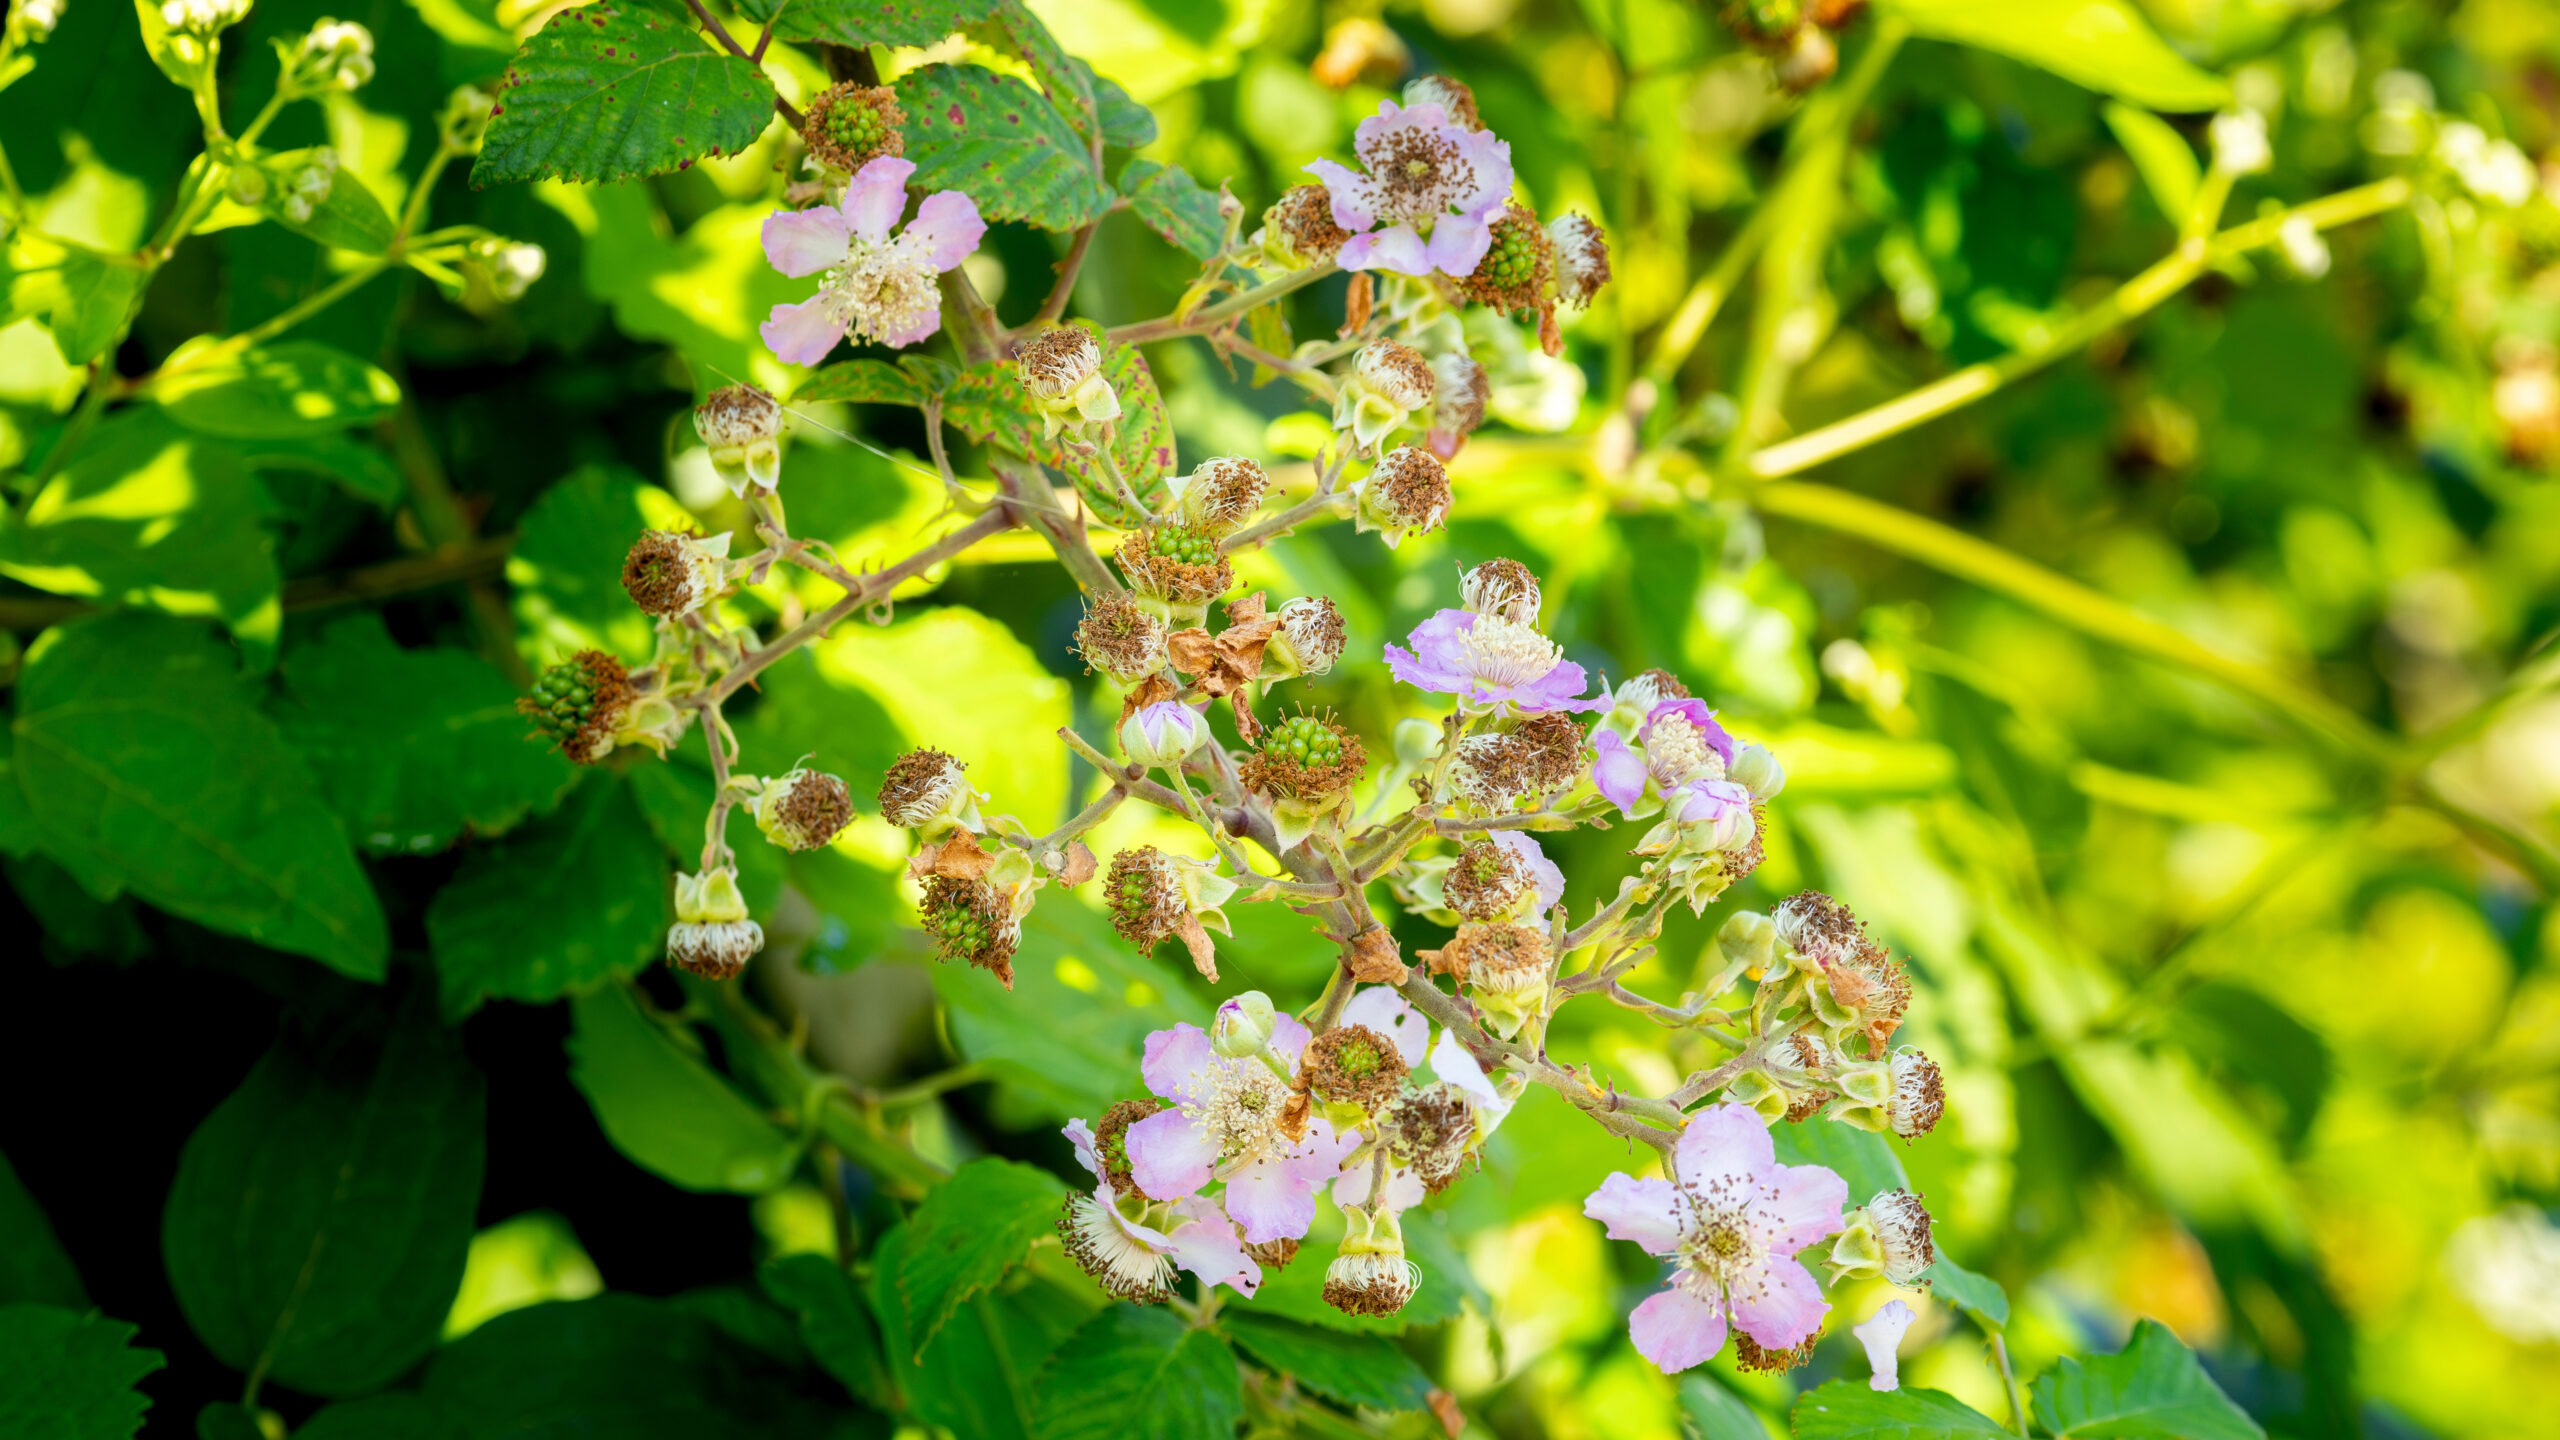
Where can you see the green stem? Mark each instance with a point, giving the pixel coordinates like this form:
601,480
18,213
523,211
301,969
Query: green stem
2009,1382
1210,317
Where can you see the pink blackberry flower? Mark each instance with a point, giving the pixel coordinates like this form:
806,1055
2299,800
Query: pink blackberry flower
878,286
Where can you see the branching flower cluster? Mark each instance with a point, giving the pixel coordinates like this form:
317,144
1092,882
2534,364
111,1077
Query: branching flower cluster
1382,1089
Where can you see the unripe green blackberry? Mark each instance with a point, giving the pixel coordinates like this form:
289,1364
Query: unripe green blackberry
1175,562
851,125
1514,272
1352,1065
1304,739
1305,757
576,704
971,920
1144,896
1769,25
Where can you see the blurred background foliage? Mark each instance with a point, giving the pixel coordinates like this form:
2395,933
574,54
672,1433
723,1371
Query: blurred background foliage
2242,1031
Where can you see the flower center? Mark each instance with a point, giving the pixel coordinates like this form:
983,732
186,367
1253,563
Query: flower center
1500,652
1419,172
1241,1109
1720,1241
882,290
1678,751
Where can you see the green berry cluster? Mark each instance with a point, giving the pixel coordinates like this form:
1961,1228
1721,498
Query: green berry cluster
1134,899
857,128
961,927
1764,22
1306,740
1184,545
1357,1058
1512,262
564,699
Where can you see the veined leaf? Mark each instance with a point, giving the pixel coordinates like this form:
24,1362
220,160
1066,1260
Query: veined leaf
862,382
2152,1389
1014,153
1133,1373
968,1232
975,1378
1353,1369
990,406
1974,1293
868,22
557,907
290,388
1709,1411
1175,206
1848,1410
566,569
321,1215
2105,45
68,1376
614,92
835,1323
665,1108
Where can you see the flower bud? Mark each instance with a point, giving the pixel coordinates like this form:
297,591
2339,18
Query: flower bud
1768,25
1887,1237
928,791
1176,564
1162,734
712,936
336,55
1489,882
742,425
1505,588
1308,641
579,704
670,574
466,119
32,21
1062,368
1121,640
1902,1095
1221,494
1299,230
2240,145
1417,742
850,125
1581,258
1451,94
1459,392
1749,938
1407,492
1243,1026
203,18
1389,382
508,267
1518,265
1758,771
1369,1275
972,920
1719,810
804,809
1810,60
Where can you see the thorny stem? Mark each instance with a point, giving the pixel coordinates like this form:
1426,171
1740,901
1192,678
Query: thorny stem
872,589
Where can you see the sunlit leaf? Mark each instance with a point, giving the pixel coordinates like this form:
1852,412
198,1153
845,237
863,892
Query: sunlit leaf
967,1234
566,569
1013,152
2161,156
1175,206
2153,1389
2105,45
1082,1003
1848,1410
293,387
612,92
868,22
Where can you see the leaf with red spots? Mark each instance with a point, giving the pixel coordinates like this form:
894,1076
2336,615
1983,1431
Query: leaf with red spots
613,93
868,22
989,405
995,139
1175,206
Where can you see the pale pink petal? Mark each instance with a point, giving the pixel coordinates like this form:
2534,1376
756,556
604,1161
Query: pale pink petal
804,242
1881,1334
1080,1135
899,337
1784,1309
801,334
1451,1062
1289,1036
1645,1211
1525,846
1457,246
1381,1009
1617,770
1725,1141
1804,1206
1205,1244
877,197
1676,1330
1368,138
1490,158
1170,1155
1349,192
948,221
1177,1061
1351,1187
1395,249
1272,1200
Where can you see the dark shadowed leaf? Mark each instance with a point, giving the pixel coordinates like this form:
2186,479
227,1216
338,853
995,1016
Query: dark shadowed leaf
665,1107
2152,1389
967,1234
321,1215
835,1323
614,92
33,1268
975,1378
1139,1373
144,758
561,905
68,1376
1352,1369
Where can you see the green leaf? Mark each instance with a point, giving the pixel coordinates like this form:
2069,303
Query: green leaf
1125,123
664,1107
396,1415
1082,1003
2152,1389
33,1268
2161,155
1175,206
1133,1373
413,747
835,1323
1860,1156
77,925
349,217
147,515
1976,1294
620,1366
972,129
1353,1369
610,92
68,1376
989,405
676,796
862,382
1848,1410
144,758
566,569
226,1421
975,1377
2104,45
967,1234
360,469
318,1226
290,388
1709,1411
559,906
96,297
868,22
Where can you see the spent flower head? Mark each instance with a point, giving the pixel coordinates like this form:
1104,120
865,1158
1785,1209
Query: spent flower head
671,574
1406,493
712,936
1389,381
804,809
1062,368
928,791
741,426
